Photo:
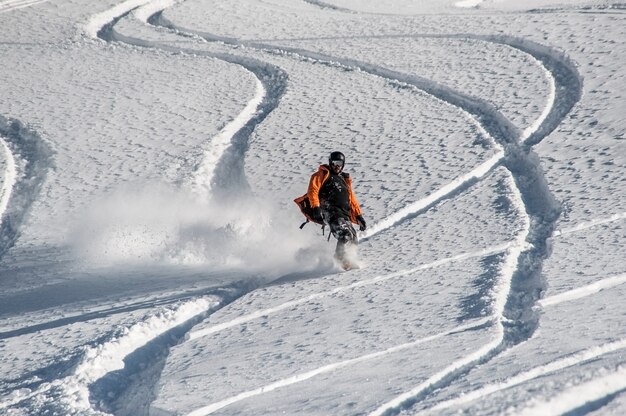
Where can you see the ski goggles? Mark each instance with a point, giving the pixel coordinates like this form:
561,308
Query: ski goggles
336,162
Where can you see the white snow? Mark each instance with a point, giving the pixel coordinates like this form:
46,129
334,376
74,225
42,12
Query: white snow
150,256
9,176
205,173
468,3
10,5
578,396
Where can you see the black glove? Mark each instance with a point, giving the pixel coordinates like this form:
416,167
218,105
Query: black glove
316,215
361,222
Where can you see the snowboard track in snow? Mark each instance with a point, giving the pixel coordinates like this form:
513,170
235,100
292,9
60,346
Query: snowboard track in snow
577,358
544,228
33,158
542,208
229,175
11,5
222,292
518,159
144,364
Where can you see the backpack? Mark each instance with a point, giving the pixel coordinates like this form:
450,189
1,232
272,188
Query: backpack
305,207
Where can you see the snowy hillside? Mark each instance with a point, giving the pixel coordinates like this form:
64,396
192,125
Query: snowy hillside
150,256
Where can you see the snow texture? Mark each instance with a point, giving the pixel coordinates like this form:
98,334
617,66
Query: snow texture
150,256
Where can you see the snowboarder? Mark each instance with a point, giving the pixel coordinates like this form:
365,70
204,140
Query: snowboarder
332,201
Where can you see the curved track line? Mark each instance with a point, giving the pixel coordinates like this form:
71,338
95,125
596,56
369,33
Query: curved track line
515,306
524,284
488,351
534,373
100,21
446,192
9,179
378,279
72,392
19,4
572,360
206,410
584,397
583,291
480,112
464,256
563,77
204,176
31,158
590,224
328,6
566,362
228,170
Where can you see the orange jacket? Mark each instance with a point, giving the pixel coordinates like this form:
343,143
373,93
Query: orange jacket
315,184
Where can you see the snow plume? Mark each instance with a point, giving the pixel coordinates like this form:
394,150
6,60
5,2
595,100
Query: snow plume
160,224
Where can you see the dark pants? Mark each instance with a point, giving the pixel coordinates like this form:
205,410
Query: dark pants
344,232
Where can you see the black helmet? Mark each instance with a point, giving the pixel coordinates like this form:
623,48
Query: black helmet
337,157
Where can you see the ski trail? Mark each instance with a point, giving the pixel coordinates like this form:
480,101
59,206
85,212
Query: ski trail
590,224
19,4
378,279
584,397
28,161
328,6
9,179
222,163
206,410
204,176
566,362
550,102
488,351
417,207
534,373
522,279
98,21
479,112
144,12
563,363
70,395
565,83
231,141
315,296
584,291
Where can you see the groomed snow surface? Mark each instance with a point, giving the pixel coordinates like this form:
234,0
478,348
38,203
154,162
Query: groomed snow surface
150,256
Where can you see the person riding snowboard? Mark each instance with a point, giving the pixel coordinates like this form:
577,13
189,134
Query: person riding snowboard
333,202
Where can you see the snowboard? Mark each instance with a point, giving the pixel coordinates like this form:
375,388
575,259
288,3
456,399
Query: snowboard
346,264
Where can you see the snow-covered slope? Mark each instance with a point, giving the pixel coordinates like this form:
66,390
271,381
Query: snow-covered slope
151,261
